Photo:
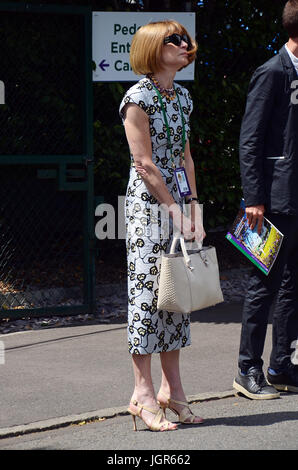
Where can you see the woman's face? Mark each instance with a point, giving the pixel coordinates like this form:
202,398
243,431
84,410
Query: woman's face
175,56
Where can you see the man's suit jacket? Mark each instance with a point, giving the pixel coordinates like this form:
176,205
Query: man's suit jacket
269,137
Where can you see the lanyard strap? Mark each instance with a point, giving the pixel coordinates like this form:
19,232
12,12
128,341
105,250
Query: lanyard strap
170,145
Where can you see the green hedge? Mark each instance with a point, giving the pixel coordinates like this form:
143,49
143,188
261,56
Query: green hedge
234,38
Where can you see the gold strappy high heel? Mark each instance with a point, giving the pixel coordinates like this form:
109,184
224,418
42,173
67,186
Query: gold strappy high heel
156,424
185,416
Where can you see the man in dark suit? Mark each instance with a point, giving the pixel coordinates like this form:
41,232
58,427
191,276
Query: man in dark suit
269,172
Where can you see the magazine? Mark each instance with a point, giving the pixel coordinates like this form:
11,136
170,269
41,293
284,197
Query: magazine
261,250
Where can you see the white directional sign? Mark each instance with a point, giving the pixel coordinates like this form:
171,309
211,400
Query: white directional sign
112,35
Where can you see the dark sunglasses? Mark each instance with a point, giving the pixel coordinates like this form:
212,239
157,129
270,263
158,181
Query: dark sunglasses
177,39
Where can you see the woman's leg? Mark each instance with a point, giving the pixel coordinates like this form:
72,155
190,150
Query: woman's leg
171,385
144,390
171,381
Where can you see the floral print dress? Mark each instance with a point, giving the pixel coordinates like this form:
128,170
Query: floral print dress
151,330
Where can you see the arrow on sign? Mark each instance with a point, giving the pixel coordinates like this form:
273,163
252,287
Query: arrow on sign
103,65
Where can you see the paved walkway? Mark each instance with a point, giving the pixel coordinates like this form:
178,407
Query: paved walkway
62,375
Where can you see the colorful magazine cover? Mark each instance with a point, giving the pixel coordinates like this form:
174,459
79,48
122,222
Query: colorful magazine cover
261,250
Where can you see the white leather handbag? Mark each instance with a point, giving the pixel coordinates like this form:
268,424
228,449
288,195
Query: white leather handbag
189,281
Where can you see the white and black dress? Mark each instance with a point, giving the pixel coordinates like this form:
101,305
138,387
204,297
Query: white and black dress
151,330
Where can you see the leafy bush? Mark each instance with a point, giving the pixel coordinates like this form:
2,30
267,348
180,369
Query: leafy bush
234,38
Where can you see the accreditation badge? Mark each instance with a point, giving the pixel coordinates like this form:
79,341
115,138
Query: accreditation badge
182,182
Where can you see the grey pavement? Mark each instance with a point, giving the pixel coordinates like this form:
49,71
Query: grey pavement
68,388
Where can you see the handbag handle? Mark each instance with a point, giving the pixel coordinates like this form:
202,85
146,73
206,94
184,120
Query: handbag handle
184,250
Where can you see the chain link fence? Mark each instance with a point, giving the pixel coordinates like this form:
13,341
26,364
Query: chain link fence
46,177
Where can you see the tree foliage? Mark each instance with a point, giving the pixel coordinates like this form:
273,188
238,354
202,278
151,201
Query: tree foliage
234,37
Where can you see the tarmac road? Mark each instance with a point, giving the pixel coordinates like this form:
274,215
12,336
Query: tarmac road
54,378
234,423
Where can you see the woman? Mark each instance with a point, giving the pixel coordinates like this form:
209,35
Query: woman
155,113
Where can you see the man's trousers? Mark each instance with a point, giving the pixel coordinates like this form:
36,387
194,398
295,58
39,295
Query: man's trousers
280,288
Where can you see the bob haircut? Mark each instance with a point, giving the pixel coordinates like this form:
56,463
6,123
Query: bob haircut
290,18
147,44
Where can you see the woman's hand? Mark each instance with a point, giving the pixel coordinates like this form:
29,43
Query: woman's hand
197,222
195,215
190,226
193,209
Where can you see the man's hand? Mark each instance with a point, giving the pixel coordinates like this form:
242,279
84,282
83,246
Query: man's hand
255,214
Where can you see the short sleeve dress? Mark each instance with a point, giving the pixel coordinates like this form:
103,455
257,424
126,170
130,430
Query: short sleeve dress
151,330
